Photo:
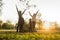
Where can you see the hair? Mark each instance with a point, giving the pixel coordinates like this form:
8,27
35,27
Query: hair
34,14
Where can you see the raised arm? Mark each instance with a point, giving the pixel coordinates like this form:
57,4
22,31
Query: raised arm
18,13
30,14
24,11
17,10
40,14
37,12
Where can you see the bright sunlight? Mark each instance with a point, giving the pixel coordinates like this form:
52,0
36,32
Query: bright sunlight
46,25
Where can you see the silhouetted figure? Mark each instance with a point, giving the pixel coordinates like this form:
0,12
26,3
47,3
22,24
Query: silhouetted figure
30,25
20,21
17,28
33,20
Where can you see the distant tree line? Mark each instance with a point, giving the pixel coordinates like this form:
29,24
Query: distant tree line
6,25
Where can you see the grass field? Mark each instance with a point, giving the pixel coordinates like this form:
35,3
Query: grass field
11,35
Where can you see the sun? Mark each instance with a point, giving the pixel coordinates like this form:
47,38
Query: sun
46,25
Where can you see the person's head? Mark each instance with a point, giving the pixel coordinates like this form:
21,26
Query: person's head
29,19
34,14
19,12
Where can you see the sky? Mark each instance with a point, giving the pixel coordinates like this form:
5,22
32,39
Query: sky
49,9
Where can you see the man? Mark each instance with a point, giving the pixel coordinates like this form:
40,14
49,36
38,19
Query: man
20,21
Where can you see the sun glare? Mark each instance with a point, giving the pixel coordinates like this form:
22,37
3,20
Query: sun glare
46,25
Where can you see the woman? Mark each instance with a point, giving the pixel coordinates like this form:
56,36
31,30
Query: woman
33,20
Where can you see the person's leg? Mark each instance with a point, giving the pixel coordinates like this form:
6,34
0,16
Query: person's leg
21,28
17,29
33,26
30,26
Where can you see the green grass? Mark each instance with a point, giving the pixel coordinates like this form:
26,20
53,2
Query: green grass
29,36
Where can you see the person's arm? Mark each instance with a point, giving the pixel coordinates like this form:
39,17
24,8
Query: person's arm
30,14
37,12
23,11
17,10
40,14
